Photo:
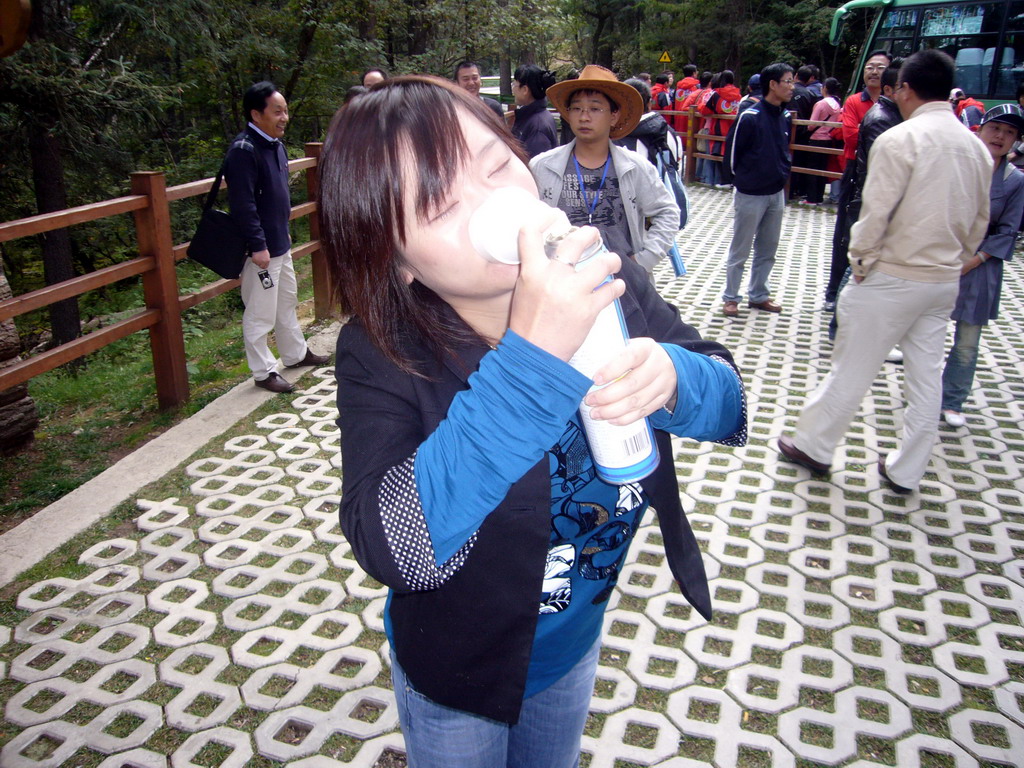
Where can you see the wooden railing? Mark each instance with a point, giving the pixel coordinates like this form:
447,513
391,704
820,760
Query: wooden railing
149,203
692,134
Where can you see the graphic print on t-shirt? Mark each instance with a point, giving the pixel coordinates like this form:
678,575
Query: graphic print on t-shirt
609,215
592,525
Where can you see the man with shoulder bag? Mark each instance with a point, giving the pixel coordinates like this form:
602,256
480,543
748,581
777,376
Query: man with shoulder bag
256,169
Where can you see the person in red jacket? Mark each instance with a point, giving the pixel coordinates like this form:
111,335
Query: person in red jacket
684,88
692,101
661,92
723,100
969,110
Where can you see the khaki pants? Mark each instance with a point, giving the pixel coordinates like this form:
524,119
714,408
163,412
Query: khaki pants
876,314
271,309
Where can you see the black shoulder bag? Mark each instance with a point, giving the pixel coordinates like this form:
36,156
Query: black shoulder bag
218,242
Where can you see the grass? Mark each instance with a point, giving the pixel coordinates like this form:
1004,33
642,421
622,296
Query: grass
96,415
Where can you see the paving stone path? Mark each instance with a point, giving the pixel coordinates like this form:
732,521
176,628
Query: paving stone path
854,627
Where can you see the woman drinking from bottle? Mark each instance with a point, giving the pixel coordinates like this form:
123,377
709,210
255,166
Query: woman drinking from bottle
469,488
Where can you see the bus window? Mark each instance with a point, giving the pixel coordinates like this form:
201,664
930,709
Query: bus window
1011,65
969,34
896,32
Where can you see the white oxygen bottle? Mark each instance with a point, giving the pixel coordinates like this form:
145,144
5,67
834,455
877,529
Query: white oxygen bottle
622,454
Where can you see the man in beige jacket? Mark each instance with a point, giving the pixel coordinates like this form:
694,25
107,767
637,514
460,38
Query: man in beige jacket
925,210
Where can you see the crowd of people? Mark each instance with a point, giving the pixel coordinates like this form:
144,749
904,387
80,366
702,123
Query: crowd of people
470,487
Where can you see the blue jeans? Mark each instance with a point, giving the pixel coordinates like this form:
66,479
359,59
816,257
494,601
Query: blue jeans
958,375
757,222
546,736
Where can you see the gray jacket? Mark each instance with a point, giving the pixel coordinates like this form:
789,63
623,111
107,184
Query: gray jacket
643,194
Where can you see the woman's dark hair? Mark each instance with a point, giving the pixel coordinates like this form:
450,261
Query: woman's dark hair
256,97
355,90
536,79
705,79
833,86
643,88
400,135
930,73
775,72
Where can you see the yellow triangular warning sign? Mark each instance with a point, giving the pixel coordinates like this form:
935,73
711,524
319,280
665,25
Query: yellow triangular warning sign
665,58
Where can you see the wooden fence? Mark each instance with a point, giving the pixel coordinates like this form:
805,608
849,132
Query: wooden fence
149,203
692,134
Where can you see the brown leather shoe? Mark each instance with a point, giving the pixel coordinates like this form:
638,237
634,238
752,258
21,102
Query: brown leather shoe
900,489
730,309
767,305
310,359
275,382
789,451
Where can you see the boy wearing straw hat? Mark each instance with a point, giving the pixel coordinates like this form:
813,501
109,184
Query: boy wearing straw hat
600,184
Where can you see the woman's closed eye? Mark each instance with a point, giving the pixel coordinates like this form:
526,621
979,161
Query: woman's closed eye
501,168
444,210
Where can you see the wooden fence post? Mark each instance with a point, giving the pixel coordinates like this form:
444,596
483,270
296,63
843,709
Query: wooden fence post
322,289
691,168
160,289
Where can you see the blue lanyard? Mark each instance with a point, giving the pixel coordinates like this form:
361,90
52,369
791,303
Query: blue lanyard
591,207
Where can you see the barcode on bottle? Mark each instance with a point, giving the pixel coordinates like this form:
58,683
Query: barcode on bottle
636,444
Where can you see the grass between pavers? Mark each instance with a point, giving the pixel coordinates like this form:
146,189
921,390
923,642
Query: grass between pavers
120,524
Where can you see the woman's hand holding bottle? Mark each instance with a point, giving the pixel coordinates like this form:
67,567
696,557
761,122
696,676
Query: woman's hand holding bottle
554,305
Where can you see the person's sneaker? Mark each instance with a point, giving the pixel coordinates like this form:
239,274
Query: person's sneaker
310,359
954,418
731,309
829,306
895,355
275,382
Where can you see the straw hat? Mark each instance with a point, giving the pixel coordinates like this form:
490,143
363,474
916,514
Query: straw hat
597,78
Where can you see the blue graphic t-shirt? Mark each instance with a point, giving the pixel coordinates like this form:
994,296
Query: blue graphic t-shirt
592,525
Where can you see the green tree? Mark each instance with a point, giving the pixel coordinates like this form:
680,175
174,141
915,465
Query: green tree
61,93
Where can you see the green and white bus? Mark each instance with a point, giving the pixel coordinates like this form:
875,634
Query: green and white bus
985,39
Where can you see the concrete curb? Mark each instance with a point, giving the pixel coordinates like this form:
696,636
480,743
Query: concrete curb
26,544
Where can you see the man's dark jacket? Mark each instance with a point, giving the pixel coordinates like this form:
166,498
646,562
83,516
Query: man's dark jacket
882,116
256,171
467,643
535,127
757,150
653,131
802,104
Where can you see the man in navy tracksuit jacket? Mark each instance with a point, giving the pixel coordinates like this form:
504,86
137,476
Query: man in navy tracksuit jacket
256,171
757,151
